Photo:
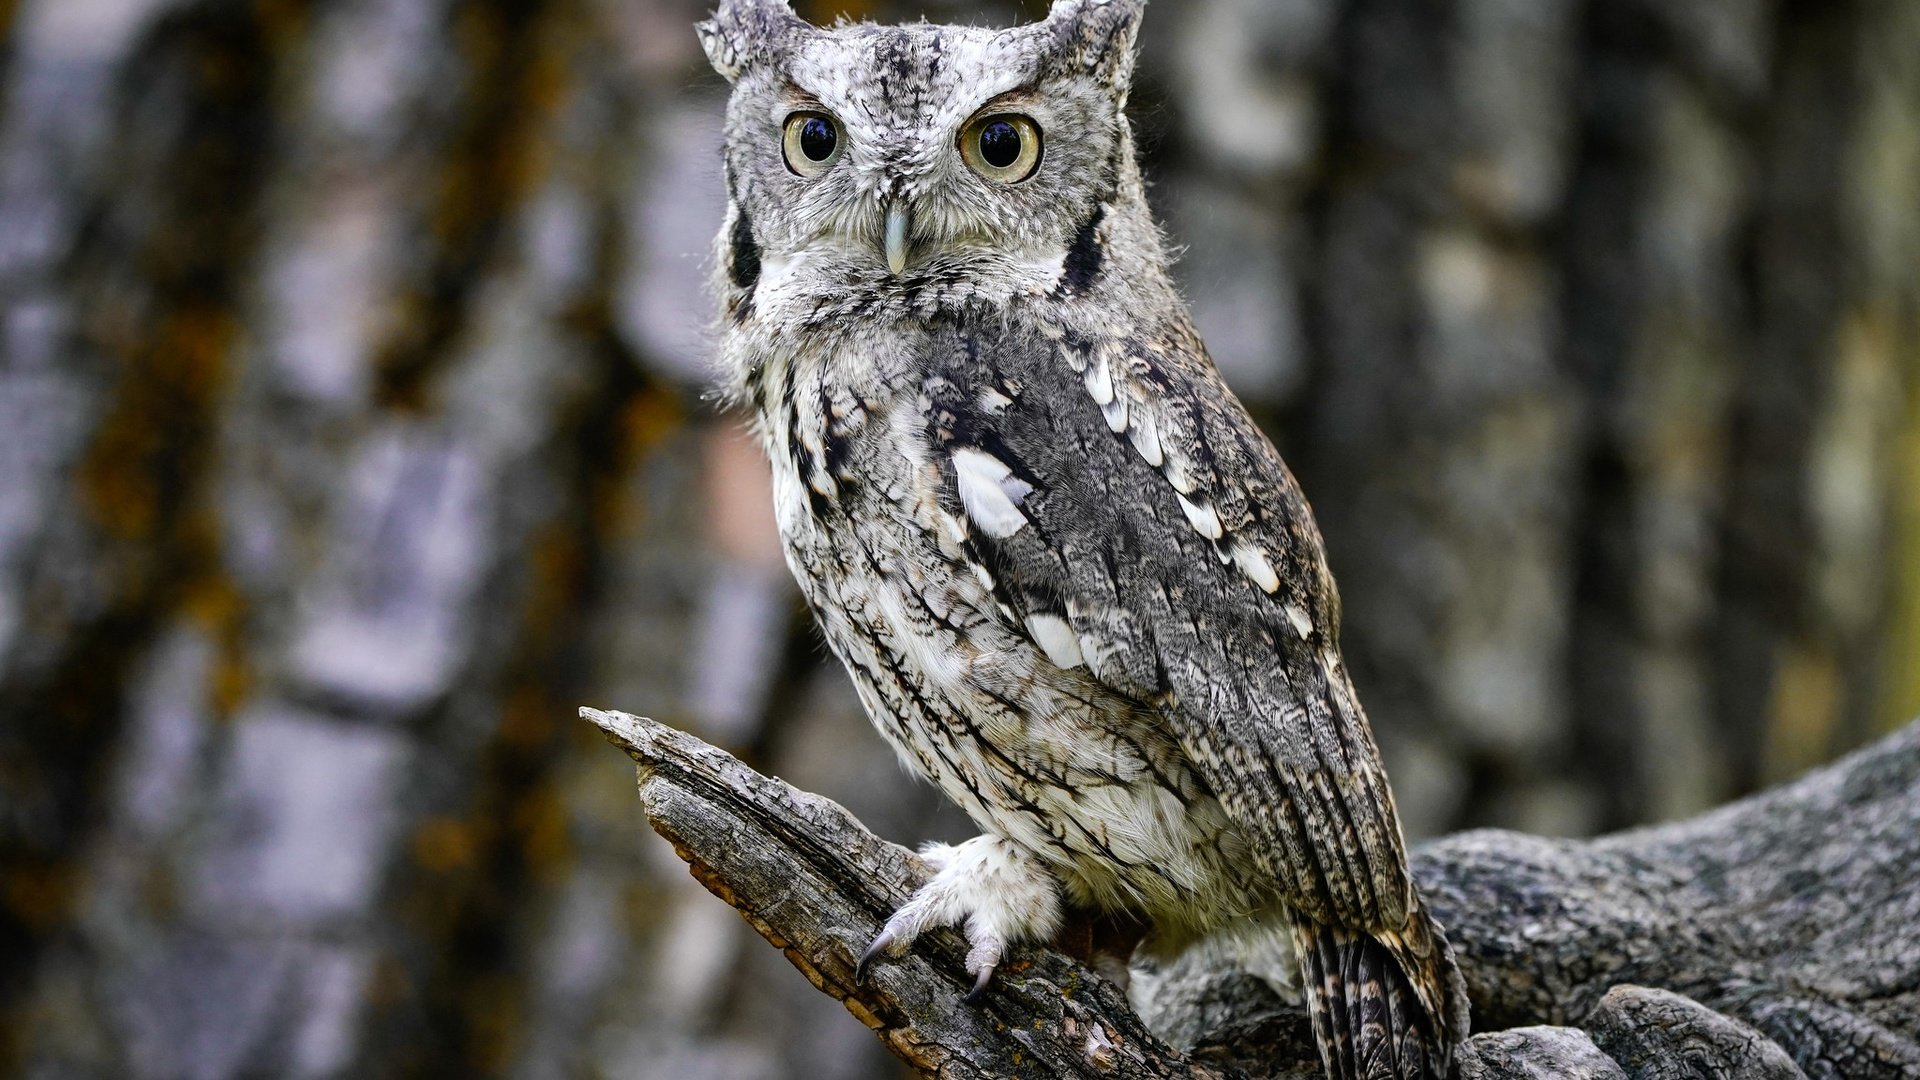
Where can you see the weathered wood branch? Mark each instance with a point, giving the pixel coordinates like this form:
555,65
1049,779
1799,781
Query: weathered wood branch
818,886
1776,937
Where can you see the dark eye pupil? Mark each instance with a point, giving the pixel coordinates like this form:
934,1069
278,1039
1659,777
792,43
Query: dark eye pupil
816,138
1000,144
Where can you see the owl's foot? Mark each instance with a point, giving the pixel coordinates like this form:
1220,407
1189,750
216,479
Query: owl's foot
1001,895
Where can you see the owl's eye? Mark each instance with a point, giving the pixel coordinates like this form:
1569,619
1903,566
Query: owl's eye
1003,148
812,143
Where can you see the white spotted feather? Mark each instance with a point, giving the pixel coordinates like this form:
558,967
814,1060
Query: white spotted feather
990,492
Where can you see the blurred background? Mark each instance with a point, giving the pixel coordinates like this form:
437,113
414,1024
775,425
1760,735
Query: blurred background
353,432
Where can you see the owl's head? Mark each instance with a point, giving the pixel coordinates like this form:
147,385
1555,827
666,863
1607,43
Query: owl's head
864,154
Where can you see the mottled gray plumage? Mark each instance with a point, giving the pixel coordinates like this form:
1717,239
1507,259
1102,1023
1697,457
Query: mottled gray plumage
1074,584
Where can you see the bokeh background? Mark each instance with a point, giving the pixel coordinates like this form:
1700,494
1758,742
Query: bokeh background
353,432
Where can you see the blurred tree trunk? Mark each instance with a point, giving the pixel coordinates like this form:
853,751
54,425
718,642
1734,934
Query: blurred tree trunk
350,436
1600,340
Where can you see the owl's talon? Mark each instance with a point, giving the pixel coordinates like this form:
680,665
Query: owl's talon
984,950
978,994
875,950
989,889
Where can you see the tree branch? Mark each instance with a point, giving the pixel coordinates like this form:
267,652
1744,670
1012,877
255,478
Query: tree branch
1773,938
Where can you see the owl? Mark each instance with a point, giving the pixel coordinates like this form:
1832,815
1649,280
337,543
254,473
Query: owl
1074,584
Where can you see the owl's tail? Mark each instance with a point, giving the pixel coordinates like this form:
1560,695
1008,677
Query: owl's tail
1386,1005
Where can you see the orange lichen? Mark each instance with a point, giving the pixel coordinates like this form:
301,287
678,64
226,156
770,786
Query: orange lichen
1804,711
527,718
557,567
214,603
445,844
492,1006
39,895
540,822
649,418
1900,700
644,421
153,434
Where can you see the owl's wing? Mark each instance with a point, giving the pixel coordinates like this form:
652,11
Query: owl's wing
1135,521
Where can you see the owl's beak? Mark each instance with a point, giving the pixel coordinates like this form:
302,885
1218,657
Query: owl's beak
898,221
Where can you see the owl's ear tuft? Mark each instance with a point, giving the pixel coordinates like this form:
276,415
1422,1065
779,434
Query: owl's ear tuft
1097,36
742,33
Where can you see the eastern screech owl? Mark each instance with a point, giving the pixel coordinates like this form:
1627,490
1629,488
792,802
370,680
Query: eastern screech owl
1073,583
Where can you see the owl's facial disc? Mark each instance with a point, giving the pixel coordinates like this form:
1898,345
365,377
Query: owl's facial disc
919,161
1001,148
916,180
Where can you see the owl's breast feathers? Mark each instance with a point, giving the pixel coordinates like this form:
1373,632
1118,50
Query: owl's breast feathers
1119,516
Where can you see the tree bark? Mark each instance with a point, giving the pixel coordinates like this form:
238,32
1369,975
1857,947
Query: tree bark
1770,939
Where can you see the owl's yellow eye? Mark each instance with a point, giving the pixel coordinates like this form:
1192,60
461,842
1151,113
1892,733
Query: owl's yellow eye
812,143
1003,148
